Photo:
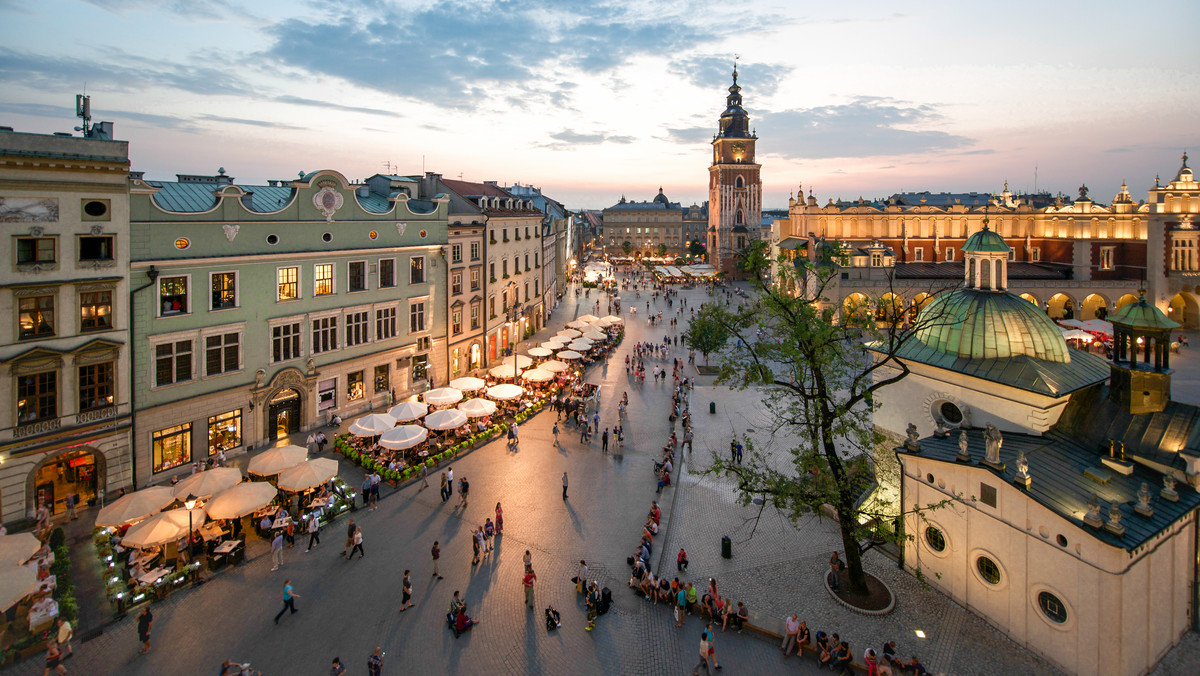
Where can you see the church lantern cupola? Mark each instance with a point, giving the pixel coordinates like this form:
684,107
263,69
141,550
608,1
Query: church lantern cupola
1141,363
986,255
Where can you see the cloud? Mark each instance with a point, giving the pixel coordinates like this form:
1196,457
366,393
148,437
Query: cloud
215,10
715,73
691,135
67,115
245,121
865,127
296,100
567,139
65,73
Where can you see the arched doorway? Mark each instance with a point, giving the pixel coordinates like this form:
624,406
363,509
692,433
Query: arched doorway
890,309
1060,306
1185,310
283,413
1126,300
856,305
75,471
476,356
1031,298
1095,306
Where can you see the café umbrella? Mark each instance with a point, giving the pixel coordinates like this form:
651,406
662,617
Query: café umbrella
537,375
569,333
163,527
569,354
504,371
443,396
406,411
308,474
372,425
468,384
401,437
276,460
577,324
504,392
613,319
554,366
477,408
238,501
595,335
18,548
580,346
136,505
588,319
540,352
553,344
446,419
522,361
16,582
208,482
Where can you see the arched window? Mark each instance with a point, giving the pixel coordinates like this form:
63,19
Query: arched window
740,183
740,217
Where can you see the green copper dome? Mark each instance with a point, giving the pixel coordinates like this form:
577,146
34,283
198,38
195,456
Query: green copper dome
1142,315
990,325
985,240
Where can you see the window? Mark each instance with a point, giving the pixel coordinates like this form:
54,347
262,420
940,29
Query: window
387,272
95,311
504,266
95,249
356,273
526,261
324,334
37,396
456,283
492,273
34,250
988,570
876,260
224,290
987,495
535,261
949,253
420,365
221,354
492,305
455,253
385,323
1106,257
535,287
173,295
356,328
416,317
1052,607
948,412
526,292
287,284
96,383
935,539
475,316
355,387
323,279
327,394
36,318
1035,254
475,280
285,342
172,447
172,362
456,321
474,251
382,378
224,431
416,270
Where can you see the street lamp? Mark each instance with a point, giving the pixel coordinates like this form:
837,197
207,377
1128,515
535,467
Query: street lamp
513,315
189,503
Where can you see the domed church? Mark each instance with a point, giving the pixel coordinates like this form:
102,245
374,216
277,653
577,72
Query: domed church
1072,515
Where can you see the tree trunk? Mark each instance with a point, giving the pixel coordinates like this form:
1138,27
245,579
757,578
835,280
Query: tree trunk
857,582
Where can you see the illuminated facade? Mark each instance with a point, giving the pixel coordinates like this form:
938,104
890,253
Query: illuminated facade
734,186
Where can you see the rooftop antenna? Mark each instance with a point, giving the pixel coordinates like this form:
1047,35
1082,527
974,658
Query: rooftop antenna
83,110
1035,178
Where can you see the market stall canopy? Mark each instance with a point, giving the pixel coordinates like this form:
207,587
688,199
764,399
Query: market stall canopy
468,384
16,582
504,392
136,505
308,474
554,366
163,527
1069,334
238,501
569,333
587,318
577,324
540,352
580,346
569,354
443,396
18,548
401,437
372,425
613,319
537,375
595,335
446,419
208,482
477,408
276,460
1098,325
504,371
408,410
522,361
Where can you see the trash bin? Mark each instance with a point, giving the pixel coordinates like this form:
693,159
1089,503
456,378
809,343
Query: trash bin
726,547
712,407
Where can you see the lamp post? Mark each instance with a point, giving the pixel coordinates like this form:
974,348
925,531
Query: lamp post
189,503
513,316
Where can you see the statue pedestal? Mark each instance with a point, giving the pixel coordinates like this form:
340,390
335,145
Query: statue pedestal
1169,494
1023,481
1145,510
1093,521
998,466
962,457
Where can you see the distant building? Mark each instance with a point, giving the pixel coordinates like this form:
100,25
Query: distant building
648,228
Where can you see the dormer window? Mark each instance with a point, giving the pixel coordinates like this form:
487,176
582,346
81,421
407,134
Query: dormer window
483,202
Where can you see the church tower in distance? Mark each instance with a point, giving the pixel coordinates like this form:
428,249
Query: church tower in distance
734,187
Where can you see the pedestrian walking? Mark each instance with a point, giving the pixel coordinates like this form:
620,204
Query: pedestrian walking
357,538
703,654
581,577
54,659
604,441
436,553
733,451
277,551
445,490
289,597
143,627
596,421
564,485
593,605
72,501
528,581
375,662
463,487
406,591
338,669
527,559
314,537
739,453
311,442
65,633
556,433
350,528
712,648
499,519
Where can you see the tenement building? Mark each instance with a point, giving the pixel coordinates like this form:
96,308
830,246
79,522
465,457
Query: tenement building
264,310
64,368
651,228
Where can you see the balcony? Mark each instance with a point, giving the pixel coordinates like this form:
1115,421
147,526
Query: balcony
95,414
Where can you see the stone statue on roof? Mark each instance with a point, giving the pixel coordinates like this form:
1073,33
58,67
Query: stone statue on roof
963,455
912,443
1143,506
1092,518
992,443
1022,478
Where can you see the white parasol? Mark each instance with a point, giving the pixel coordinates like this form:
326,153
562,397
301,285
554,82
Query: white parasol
16,582
595,335
504,371
443,396
554,344
308,474
477,408
522,361
372,425
580,346
577,324
446,419
587,318
554,366
18,548
276,460
504,392
207,483
136,505
603,322
569,333
407,411
468,384
540,352
238,501
403,436
163,527
537,375
569,354
613,319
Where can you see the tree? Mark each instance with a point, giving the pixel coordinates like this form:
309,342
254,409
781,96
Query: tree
627,247
696,248
708,331
662,250
819,381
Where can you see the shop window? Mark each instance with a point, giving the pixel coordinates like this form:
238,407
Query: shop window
95,311
357,276
224,290
420,364
385,323
323,279
935,539
173,295
285,342
35,250
222,354
387,273
355,386
96,386
382,378
172,362
1052,607
98,248
224,431
37,396
988,570
172,447
327,394
36,317
416,270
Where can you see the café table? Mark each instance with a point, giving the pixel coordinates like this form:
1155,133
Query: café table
42,614
153,576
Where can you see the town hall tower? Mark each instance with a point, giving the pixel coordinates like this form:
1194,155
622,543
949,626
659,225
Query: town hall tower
734,186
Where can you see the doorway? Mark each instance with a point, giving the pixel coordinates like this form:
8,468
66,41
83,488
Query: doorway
70,473
284,413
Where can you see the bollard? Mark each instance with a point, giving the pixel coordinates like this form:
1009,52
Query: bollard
712,407
726,547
